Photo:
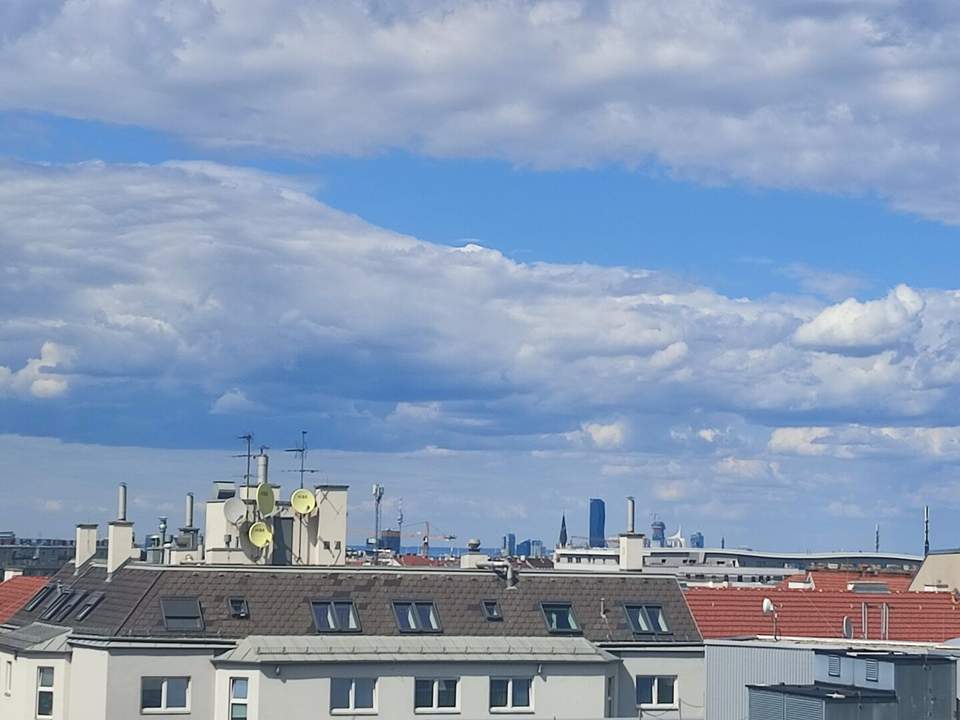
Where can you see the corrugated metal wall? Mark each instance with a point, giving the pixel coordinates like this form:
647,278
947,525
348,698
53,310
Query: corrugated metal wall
730,668
766,705
800,708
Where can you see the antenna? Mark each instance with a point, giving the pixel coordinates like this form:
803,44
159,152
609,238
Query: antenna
301,450
926,530
377,499
876,539
400,523
266,501
260,534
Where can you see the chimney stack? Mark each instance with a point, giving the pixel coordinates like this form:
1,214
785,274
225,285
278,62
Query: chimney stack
188,514
631,515
122,502
86,545
262,462
119,534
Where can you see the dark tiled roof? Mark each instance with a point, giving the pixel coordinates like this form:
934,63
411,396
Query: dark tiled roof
279,600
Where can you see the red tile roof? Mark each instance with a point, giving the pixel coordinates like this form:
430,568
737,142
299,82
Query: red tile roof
15,592
840,579
914,616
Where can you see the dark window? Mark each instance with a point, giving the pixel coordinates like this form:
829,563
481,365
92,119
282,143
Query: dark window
335,616
423,694
238,607
559,617
491,610
510,693
38,598
647,619
656,691
44,692
88,604
182,614
416,616
151,693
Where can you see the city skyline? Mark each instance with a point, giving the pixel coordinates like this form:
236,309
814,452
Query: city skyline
730,295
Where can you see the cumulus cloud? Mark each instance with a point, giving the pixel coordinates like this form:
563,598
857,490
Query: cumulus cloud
38,376
854,326
606,436
859,441
234,402
850,97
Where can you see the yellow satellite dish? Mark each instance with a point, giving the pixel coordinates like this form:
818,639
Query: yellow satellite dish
303,501
260,534
266,501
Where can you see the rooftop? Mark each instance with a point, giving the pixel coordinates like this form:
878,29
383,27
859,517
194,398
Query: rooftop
15,592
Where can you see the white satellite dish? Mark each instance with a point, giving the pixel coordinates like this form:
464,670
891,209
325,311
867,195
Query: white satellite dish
768,607
234,511
848,627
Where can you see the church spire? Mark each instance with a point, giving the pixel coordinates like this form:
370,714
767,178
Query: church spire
563,530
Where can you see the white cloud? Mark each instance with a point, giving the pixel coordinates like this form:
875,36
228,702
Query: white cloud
848,97
747,469
864,326
859,441
608,436
234,402
37,377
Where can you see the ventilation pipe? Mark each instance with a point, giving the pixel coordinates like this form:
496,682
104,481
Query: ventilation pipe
122,502
262,462
498,566
631,515
188,511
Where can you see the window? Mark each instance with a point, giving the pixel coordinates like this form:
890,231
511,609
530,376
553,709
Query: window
833,666
436,695
182,613
88,604
158,694
57,604
419,617
239,694
508,694
38,598
647,619
656,691
238,608
873,670
559,617
491,610
350,695
44,692
69,605
335,616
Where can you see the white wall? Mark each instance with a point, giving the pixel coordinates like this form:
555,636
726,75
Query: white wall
303,691
688,667
21,701
126,667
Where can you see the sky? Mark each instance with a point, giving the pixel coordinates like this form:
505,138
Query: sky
500,257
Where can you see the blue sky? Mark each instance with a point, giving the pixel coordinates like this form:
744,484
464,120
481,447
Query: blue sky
583,264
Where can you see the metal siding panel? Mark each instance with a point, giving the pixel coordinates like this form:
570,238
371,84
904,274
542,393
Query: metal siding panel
766,705
801,708
730,668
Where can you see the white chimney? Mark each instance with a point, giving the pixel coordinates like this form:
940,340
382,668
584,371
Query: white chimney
631,515
188,513
119,544
262,462
85,546
122,502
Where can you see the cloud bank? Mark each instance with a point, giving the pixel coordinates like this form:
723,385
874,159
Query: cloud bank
849,97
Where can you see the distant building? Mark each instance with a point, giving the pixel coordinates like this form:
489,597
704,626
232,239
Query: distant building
562,542
530,548
696,540
523,548
598,514
658,534
390,540
509,544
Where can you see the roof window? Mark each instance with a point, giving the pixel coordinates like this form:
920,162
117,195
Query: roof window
41,595
88,604
57,604
416,616
182,613
559,617
238,608
335,616
491,610
647,619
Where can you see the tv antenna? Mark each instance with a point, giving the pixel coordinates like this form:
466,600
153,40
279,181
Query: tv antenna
248,455
301,450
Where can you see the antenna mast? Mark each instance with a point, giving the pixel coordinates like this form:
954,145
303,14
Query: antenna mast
926,530
302,452
377,499
400,523
248,455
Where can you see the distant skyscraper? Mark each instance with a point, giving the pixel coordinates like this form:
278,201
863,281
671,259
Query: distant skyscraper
523,549
696,540
598,513
510,544
390,540
563,531
536,548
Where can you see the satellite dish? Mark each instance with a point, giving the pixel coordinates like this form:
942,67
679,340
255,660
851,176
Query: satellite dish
266,500
234,510
303,501
768,607
260,534
249,549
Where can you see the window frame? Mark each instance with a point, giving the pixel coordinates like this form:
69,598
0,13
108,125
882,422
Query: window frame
182,598
336,630
164,708
235,701
655,693
576,630
352,708
418,628
496,615
436,709
510,708
45,690
89,604
642,609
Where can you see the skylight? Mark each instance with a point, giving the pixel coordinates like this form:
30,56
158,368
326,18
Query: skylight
238,608
647,619
38,598
335,616
88,604
559,617
416,616
491,610
182,613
